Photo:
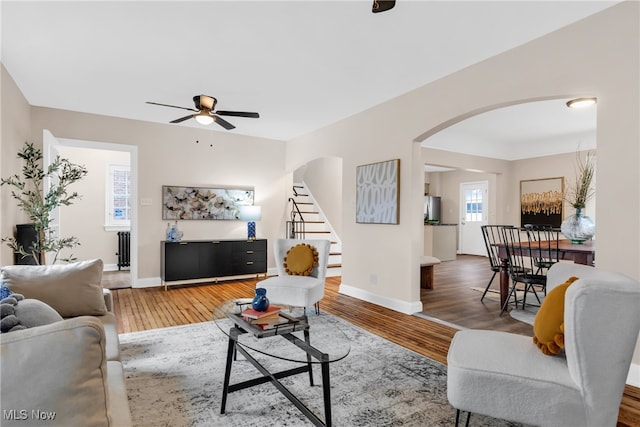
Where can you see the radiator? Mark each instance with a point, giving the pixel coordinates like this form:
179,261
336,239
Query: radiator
124,249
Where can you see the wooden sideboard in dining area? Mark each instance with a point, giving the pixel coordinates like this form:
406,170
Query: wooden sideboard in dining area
584,253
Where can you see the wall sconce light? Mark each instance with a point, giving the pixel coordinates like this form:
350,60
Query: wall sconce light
250,214
582,102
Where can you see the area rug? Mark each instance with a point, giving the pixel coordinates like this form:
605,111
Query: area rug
174,378
526,315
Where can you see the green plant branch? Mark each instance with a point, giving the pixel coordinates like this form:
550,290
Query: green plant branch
38,205
581,191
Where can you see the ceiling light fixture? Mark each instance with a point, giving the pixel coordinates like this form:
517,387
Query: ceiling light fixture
204,118
581,102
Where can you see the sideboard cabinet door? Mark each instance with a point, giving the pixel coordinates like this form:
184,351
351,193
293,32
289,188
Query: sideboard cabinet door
215,258
181,261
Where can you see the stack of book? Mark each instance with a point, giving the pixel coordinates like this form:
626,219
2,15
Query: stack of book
268,319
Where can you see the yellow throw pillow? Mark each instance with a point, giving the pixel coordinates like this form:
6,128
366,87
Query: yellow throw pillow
300,260
548,326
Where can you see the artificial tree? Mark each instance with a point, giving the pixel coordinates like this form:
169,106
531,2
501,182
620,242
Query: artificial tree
38,204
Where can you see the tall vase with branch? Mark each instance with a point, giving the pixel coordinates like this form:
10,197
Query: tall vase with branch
578,227
38,204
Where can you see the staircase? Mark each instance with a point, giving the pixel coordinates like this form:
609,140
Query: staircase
308,222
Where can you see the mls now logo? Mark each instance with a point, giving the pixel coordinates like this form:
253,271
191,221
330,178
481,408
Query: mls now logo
23,414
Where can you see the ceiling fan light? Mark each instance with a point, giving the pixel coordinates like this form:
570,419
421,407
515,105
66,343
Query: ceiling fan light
582,102
204,118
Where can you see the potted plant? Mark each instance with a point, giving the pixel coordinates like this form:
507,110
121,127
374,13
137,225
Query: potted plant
578,227
38,204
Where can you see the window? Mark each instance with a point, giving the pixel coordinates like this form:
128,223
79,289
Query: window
473,205
118,206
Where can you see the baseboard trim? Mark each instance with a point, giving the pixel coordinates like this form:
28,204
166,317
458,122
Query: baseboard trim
150,282
634,375
390,303
147,282
110,267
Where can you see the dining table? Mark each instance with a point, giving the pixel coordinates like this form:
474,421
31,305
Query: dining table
582,253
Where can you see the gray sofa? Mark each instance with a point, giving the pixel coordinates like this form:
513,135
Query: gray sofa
66,373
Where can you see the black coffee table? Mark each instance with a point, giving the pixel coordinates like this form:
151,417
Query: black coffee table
303,340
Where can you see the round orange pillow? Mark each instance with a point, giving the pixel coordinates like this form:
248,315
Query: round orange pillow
548,326
300,260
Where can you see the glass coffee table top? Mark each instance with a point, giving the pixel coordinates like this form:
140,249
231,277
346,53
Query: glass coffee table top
325,334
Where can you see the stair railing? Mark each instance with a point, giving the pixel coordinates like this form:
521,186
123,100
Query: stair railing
295,228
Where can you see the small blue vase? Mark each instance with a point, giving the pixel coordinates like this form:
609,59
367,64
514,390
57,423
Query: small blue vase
260,301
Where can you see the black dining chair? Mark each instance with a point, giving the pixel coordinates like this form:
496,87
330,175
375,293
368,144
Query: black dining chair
546,241
525,275
492,235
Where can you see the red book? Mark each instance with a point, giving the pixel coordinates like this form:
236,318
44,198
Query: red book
254,314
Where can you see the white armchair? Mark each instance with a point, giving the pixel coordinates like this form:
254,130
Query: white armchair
297,291
506,376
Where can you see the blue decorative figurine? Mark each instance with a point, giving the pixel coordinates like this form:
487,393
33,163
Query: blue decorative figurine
260,301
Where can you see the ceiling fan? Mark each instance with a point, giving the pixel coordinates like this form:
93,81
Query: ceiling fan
205,112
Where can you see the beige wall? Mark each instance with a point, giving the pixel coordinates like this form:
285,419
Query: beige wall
504,197
380,262
323,178
15,122
85,219
169,155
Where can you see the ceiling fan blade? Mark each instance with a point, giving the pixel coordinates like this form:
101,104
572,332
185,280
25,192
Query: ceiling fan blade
182,119
239,114
382,5
222,122
172,106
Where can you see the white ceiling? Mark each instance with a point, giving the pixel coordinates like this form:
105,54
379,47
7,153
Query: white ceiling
301,64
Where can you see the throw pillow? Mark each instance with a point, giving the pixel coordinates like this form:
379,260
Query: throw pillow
548,326
18,313
300,260
72,290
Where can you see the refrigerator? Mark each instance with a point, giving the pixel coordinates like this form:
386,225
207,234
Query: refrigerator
431,209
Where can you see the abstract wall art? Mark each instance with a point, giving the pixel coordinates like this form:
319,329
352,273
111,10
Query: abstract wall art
377,193
541,201
203,203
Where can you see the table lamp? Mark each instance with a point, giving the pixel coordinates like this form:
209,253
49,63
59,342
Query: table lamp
250,214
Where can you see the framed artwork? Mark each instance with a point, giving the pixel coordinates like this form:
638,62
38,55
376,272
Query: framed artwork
203,203
541,201
378,192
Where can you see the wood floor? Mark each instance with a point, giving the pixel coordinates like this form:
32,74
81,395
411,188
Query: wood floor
149,308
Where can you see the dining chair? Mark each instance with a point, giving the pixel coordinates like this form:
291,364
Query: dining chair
492,235
522,253
546,240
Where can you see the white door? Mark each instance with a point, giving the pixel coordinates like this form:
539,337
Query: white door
473,215
49,153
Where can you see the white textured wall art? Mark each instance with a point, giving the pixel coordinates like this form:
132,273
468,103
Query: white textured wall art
203,203
377,193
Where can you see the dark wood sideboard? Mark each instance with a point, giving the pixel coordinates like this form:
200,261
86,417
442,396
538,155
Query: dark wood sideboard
211,259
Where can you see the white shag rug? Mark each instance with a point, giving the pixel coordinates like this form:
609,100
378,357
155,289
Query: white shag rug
174,378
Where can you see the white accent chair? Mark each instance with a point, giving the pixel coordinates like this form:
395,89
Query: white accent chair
297,291
506,376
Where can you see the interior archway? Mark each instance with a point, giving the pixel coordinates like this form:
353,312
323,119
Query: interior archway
549,151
